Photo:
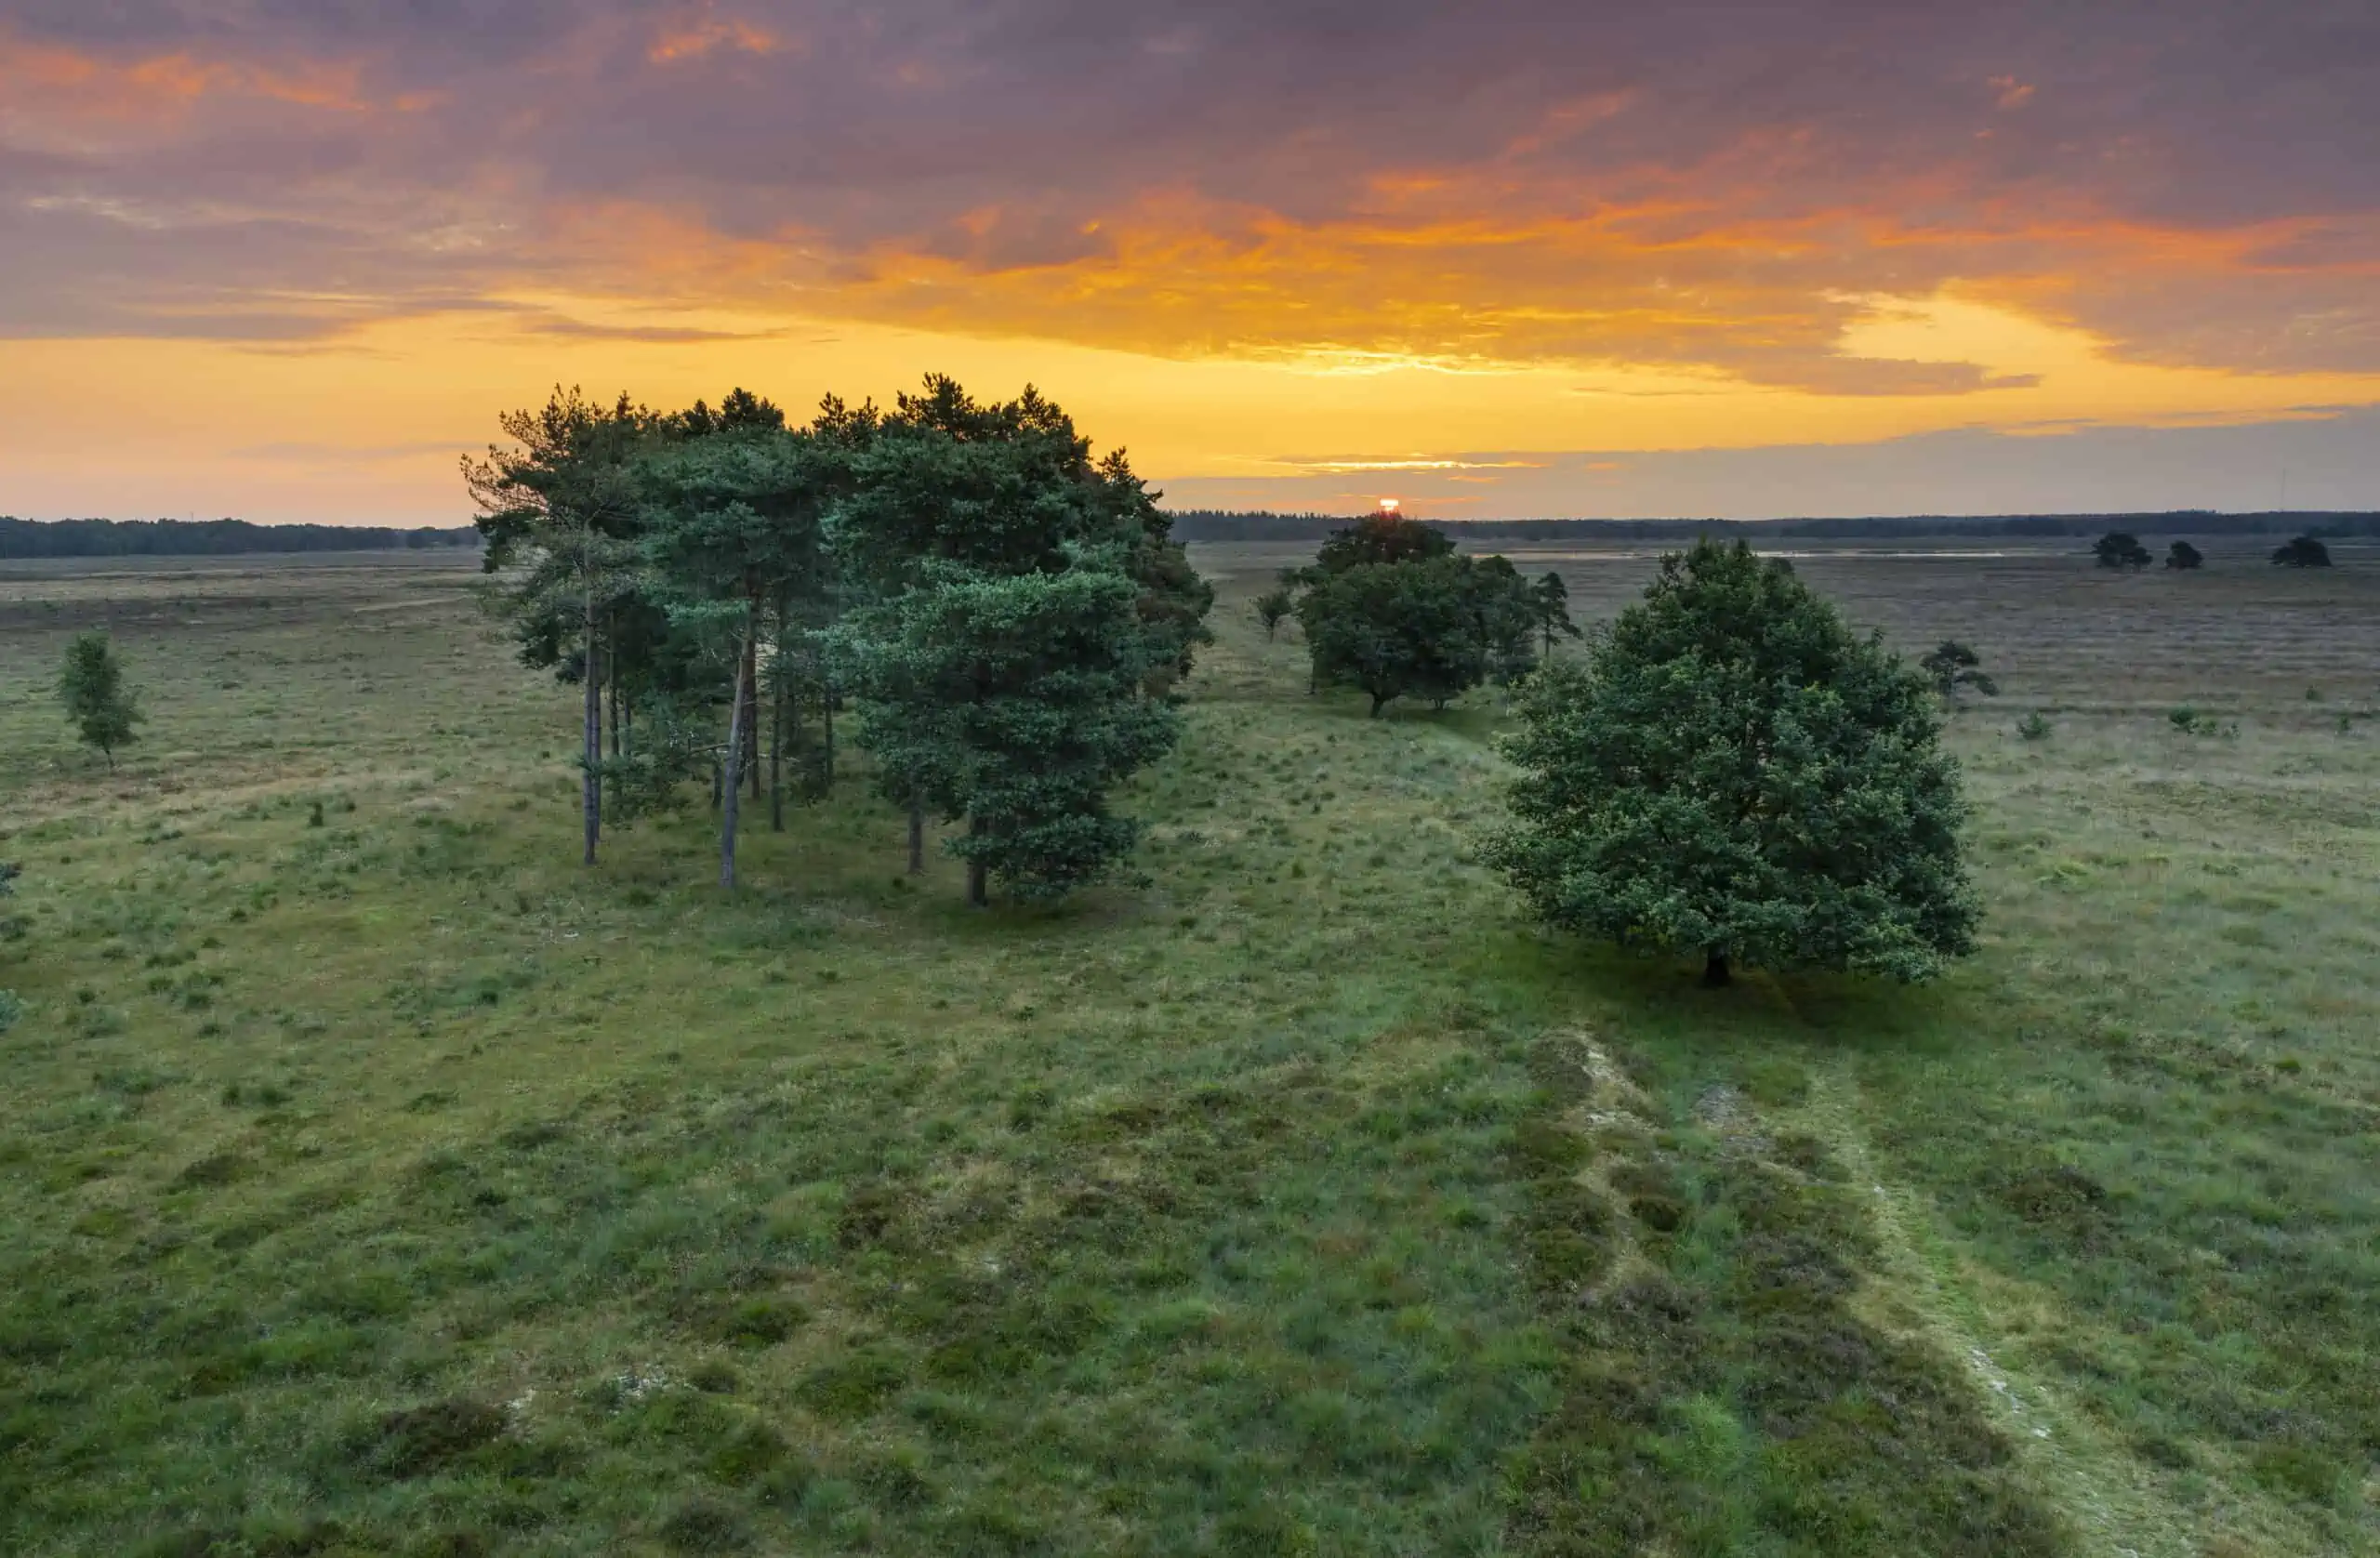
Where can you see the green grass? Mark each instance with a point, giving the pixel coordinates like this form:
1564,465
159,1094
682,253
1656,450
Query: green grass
390,1184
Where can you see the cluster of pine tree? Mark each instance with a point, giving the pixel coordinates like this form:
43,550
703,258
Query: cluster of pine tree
1008,614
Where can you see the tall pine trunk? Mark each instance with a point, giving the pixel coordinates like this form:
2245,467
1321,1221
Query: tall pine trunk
978,896
591,791
826,717
730,786
776,750
749,673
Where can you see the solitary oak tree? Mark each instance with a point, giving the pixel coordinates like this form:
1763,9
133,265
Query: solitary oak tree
2182,555
2304,551
1732,773
1430,626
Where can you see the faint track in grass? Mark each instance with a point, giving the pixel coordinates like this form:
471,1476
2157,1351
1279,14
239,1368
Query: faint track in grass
2119,1504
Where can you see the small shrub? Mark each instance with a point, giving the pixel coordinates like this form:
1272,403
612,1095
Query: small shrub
763,1322
706,1524
420,1440
2032,727
12,1010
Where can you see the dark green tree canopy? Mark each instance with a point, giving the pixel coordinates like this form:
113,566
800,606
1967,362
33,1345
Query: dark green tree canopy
2120,549
1733,773
1433,628
1016,701
968,529
91,689
2181,554
1382,538
1553,600
2303,551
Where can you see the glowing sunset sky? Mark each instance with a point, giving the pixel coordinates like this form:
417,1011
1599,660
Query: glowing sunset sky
285,258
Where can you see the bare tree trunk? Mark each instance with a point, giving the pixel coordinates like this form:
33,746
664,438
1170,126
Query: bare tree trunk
591,791
731,788
917,835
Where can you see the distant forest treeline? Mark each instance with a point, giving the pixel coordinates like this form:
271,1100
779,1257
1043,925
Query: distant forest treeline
1209,525
21,538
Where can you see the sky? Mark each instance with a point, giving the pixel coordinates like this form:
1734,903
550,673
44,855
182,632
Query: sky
287,260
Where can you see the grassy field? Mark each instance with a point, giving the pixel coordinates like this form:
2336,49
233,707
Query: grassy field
378,1181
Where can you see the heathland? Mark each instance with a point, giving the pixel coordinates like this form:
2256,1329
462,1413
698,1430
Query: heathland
376,1178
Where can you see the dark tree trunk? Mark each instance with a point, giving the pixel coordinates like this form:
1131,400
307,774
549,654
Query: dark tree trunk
730,783
612,690
917,835
748,675
978,883
627,726
1379,703
591,789
776,754
1714,970
827,715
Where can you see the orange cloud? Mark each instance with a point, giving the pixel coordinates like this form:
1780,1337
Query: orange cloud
68,81
697,37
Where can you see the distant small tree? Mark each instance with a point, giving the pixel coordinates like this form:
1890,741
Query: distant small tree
1553,600
1271,607
1952,665
2303,552
1733,772
2184,556
1382,538
91,688
2120,549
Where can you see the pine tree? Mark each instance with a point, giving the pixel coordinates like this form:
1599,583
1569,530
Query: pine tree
1020,613
1732,773
91,688
1017,701
1950,665
2182,555
732,534
1553,600
559,508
